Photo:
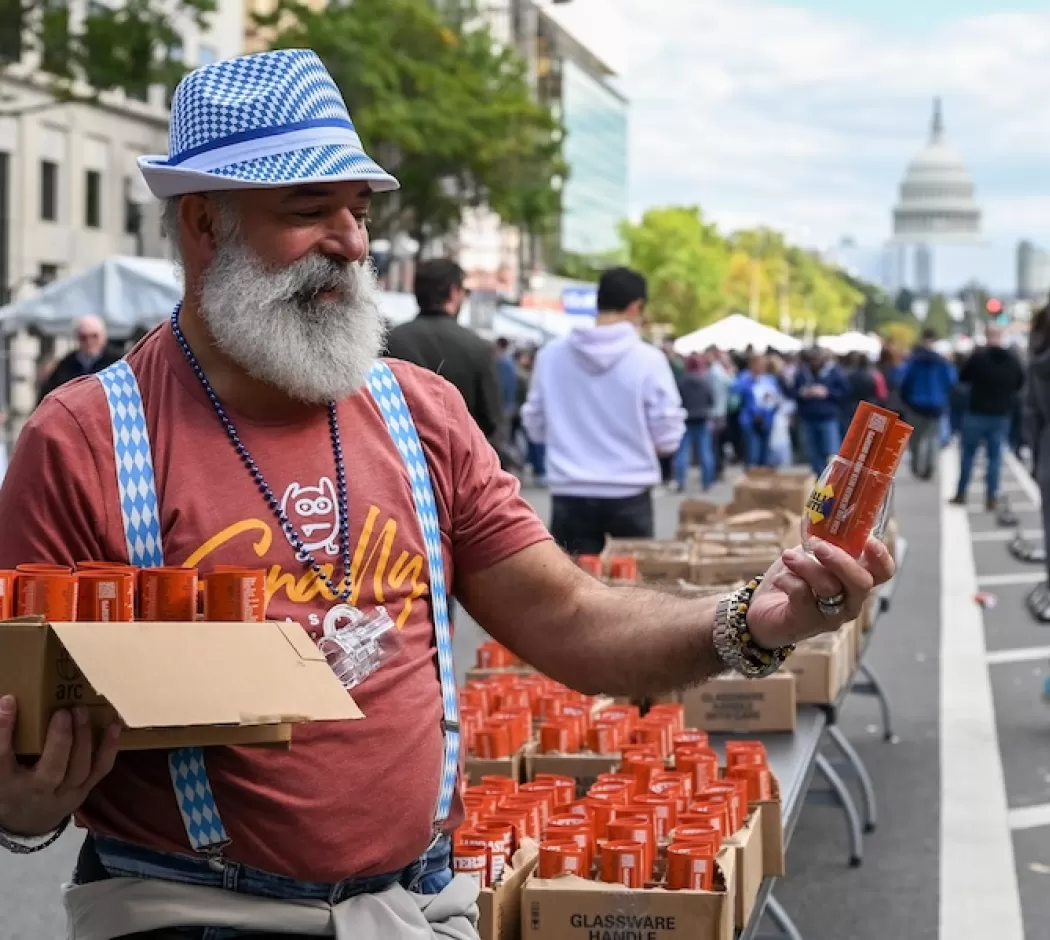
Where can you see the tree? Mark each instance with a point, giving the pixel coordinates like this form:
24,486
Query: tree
131,45
685,261
899,334
938,318
442,106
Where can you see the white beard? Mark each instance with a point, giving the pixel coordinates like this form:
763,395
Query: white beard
272,324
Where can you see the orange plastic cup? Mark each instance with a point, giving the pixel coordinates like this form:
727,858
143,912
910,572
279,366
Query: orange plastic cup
643,768
566,787
636,829
625,780
43,569
701,764
681,777
565,857
758,779
578,827
690,868
492,741
554,738
710,813
601,738
703,831
8,594
106,595
473,861
477,842
51,595
496,784
675,711
730,791
664,809
602,812
592,564
235,596
531,807
692,737
623,862
168,594
129,573
623,568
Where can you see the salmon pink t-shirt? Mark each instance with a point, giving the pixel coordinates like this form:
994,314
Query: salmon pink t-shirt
349,798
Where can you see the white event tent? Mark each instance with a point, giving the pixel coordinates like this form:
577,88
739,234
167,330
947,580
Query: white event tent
850,342
736,333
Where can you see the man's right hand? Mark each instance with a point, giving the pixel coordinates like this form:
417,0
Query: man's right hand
34,800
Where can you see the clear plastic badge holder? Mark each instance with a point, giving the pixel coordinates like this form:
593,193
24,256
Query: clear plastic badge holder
356,644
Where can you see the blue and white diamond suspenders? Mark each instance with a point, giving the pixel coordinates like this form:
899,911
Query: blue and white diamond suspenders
141,516
391,400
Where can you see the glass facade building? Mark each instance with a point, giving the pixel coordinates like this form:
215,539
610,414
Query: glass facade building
594,200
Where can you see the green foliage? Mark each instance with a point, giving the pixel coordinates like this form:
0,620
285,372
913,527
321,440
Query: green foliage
686,261
937,317
697,275
130,45
899,334
440,104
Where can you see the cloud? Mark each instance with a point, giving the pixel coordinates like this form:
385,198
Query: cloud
764,111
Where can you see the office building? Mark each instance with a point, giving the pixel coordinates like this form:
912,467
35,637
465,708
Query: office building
70,191
1033,272
582,89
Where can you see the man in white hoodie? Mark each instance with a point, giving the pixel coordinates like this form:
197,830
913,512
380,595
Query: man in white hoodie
606,405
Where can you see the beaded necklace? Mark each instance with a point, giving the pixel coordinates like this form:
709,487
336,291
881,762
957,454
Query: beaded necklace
342,593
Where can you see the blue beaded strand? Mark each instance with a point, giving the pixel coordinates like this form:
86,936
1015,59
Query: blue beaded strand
267,494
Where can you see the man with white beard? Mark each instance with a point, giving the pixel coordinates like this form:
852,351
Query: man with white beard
263,432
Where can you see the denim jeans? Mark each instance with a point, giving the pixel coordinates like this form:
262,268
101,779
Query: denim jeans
991,431
821,439
697,440
429,874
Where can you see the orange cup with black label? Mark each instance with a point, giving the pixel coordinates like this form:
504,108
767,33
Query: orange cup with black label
103,596
690,868
8,595
51,595
235,596
168,594
623,863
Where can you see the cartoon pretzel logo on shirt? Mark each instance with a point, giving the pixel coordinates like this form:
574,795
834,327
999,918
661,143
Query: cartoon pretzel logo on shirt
314,512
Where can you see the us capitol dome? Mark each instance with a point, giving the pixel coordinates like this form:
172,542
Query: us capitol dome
937,204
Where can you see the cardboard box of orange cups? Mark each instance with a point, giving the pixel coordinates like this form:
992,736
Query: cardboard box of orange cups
667,836
177,658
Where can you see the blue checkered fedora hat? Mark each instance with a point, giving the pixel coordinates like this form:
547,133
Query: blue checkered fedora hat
256,121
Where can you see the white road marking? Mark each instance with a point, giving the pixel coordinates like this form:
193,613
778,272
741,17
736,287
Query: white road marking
1027,654
1024,506
1004,535
1023,477
979,896
1033,576
1029,817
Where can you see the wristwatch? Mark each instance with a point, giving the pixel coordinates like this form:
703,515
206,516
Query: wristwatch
27,845
733,641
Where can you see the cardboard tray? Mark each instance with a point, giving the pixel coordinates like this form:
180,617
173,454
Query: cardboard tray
571,908
169,684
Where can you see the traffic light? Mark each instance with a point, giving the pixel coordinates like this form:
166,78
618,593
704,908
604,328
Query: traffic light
994,306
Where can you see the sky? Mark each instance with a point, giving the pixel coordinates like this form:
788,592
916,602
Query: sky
804,114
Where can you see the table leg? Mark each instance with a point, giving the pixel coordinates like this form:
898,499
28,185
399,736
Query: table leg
867,790
846,802
874,687
779,917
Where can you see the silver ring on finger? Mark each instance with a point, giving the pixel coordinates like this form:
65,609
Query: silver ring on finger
832,606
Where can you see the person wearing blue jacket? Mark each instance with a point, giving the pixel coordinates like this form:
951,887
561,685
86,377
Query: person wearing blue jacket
760,396
926,387
819,390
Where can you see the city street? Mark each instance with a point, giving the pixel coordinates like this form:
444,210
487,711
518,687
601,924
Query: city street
898,890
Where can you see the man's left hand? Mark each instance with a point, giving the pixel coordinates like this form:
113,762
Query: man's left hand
784,609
